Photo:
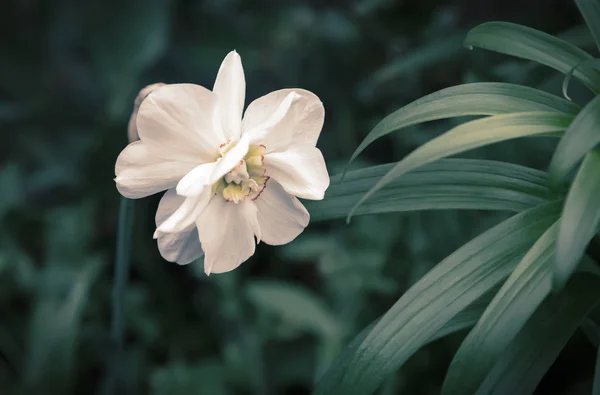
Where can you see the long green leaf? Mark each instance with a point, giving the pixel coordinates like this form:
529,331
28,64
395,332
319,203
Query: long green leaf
581,136
519,297
441,294
481,98
445,184
465,319
527,43
590,9
472,135
580,219
534,349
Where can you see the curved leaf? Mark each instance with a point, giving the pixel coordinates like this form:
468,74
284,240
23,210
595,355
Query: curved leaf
532,352
471,135
445,184
441,294
579,139
527,43
516,301
481,98
580,219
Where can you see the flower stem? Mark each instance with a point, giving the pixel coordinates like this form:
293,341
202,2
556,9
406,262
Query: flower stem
123,252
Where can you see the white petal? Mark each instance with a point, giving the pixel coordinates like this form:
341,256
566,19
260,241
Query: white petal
230,160
302,124
227,234
141,173
182,247
132,132
194,182
263,133
280,215
177,122
300,170
187,214
230,87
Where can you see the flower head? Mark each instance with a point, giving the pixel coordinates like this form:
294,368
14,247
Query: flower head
231,181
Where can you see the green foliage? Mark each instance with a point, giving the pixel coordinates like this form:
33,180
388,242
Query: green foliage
505,352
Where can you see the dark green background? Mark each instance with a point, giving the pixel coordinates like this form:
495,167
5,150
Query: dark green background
69,71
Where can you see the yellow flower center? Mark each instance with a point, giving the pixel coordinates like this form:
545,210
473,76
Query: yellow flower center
245,181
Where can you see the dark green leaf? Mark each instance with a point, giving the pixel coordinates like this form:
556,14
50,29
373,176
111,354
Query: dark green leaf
472,135
581,136
527,43
481,98
445,184
433,301
580,219
537,345
516,301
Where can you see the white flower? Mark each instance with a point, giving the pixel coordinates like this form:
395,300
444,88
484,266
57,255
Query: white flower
229,180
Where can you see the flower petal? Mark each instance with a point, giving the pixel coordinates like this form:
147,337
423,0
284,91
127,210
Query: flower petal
230,87
177,122
193,183
302,124
141,173
187,213
300,170
132,132
182,247
280,215
230,159
227,234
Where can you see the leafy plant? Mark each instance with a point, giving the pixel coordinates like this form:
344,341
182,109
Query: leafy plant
529,255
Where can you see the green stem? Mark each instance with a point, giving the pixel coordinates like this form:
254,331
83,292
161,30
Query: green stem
123,252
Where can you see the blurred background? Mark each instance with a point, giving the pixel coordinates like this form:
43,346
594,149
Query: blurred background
69,72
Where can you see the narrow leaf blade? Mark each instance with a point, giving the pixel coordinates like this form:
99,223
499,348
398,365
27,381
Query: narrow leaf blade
481,98
433,301
527,43
534,349
445,184
472,135
517,300
580,219
581,136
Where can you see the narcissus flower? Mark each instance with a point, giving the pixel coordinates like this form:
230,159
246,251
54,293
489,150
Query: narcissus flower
231,181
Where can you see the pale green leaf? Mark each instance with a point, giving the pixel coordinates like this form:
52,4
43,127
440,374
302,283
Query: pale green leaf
481,98
527,43
534,349
580,219
433,301
445,184
506,314
581,136
472,135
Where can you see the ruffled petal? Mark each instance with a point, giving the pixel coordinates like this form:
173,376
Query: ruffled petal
182,247
301,125
187,213
178,122
227,233
230,160
300,170
230,87
280,215
141,173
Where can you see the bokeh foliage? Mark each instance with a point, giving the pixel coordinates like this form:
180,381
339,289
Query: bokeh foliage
69,72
